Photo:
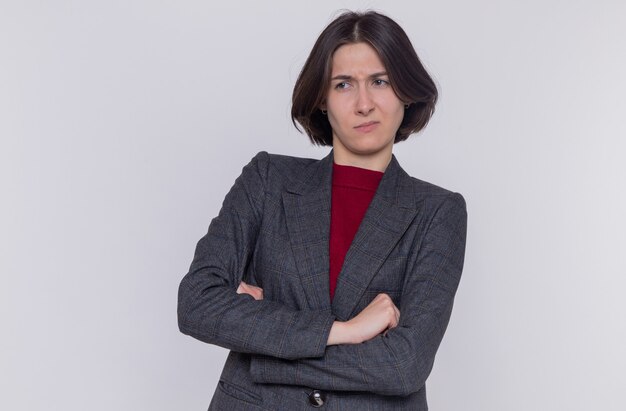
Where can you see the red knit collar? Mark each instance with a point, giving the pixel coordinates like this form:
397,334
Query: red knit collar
358,177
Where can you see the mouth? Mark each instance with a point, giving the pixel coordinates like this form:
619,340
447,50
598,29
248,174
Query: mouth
367,127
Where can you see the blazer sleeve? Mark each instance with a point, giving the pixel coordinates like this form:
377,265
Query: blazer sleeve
399,362
209,307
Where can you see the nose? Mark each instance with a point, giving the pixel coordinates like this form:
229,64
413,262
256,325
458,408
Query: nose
364,102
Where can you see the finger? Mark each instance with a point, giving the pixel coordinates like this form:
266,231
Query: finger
254,291
394,321
396,317
245,289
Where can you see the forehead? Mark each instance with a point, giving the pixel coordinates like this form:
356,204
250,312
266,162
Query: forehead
356,58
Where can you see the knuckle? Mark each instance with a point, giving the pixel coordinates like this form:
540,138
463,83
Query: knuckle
383,297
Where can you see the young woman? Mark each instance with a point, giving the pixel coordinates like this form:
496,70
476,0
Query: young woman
332,281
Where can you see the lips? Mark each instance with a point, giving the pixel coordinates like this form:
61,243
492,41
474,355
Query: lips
367,127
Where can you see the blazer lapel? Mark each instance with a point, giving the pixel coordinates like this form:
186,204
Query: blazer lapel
388,216
307,209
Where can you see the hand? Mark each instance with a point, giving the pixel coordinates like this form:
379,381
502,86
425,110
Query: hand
255,292
378,317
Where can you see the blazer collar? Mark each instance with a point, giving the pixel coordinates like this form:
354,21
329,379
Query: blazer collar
307,208
395,186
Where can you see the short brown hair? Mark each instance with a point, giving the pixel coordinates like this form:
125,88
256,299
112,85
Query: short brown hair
407,75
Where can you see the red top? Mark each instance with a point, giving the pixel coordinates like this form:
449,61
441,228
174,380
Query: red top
352,192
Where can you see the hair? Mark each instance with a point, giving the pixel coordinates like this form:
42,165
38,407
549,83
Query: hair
407,75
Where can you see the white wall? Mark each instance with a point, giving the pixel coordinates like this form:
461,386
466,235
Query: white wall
124,123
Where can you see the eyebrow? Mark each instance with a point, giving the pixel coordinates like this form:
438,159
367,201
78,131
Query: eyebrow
346,77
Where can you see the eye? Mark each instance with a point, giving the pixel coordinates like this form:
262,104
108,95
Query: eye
342,86
380,82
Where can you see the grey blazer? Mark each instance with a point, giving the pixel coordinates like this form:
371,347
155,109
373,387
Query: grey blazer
272,231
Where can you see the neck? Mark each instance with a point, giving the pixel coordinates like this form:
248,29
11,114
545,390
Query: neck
375,161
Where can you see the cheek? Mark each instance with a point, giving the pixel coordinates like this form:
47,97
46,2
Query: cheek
332,119
400,115
336,116
396,110
390,103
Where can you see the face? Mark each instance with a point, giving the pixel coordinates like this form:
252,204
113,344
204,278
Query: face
363,110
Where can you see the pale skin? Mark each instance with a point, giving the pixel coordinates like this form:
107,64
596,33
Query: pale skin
364,113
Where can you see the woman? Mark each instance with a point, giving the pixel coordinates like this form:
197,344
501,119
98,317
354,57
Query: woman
332,281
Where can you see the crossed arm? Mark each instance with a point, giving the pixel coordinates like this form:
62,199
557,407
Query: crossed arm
376,351
380,315
396,358
209,308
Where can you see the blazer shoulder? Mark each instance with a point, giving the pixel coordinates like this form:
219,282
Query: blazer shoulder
282,170
434,196
283,161
279,162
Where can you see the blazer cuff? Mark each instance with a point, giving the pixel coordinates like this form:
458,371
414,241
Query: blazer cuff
311,339
261,368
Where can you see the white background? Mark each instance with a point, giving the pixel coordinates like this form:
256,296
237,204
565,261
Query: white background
124,123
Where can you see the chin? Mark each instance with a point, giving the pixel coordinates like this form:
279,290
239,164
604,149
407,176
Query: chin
366,151
367,145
